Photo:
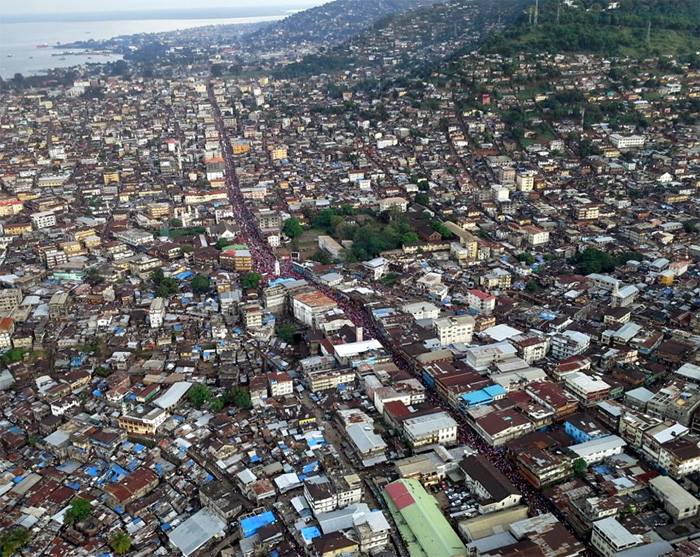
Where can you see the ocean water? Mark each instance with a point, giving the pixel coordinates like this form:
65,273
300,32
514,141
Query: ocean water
19,52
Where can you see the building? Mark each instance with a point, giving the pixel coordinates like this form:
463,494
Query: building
543,468
588,389
325,379
627,142
43,219
525,180
568,343
610,537
142,419
436,428
59,305
677,501
598,449
10,298
280,384
307,307
156,313
493,490
481,301
454,329
7,329
419,521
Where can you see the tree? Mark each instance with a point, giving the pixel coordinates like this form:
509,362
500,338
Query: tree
12,540
175,223
217,405
531,286
120,543
251,280
409,239
239,398
286,332
79,510
580,467
200,284
690,226
198,394
422,198
164,286
527,258
292,228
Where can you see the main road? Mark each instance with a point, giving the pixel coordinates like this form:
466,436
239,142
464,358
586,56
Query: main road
264,262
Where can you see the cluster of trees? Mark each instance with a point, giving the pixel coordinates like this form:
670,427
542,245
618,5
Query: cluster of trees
292,228
13,539
78,511
163,286
251,280
592,260
286,332
201,394
440,227
175,233
370,235
587,27
200,284
120,542
314,64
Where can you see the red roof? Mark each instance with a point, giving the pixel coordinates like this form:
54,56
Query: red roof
481,294
399,495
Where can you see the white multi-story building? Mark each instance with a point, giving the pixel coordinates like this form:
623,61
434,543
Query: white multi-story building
437,428
598,449
481,301
627,142
156,313
525,180
421,310
610,537
43,219
569,343
677,501
454,329
280,384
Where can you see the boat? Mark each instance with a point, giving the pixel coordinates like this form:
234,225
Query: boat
43,45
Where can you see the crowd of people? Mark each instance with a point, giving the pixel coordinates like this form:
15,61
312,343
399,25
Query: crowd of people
264,262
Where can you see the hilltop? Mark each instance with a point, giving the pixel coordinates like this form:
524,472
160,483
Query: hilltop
328,24
625,28
412,39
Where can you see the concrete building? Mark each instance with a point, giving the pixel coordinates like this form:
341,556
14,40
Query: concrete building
437,428
677,501
419,520
156,313
454,329
610,537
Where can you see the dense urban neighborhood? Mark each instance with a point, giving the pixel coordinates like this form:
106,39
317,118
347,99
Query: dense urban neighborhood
384,278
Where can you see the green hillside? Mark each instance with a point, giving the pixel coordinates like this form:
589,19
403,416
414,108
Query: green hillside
625,28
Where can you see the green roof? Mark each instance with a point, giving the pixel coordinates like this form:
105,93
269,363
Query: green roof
424,529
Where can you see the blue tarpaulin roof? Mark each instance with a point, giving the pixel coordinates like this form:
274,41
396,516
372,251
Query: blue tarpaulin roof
309,533
310,467
252,524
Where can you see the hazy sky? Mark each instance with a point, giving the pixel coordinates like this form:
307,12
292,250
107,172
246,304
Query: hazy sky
54,6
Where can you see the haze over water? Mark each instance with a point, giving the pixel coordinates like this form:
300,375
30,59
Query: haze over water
19,39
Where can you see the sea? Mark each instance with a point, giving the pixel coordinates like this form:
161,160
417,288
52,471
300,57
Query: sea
21,42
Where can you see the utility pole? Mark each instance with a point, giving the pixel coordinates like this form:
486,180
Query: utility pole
558,12
537,11
649,33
